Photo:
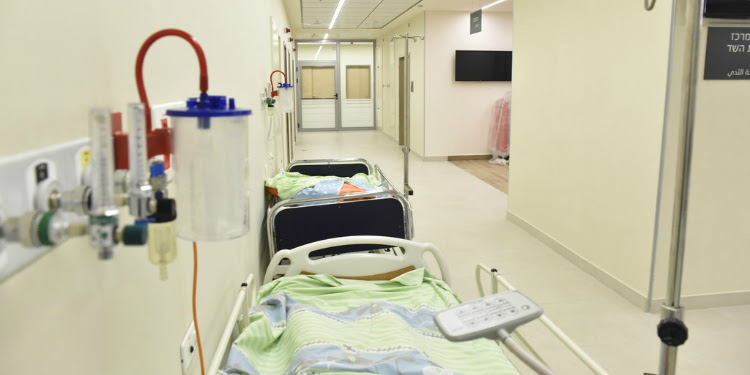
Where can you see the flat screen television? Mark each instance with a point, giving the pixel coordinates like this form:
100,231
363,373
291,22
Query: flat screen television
737,9
483,65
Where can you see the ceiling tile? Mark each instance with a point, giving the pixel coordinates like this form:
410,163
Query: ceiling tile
362,14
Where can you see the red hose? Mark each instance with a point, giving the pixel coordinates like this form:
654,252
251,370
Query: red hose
142,55
271,77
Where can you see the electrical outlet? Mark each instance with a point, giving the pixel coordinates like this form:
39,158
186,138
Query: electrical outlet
188,347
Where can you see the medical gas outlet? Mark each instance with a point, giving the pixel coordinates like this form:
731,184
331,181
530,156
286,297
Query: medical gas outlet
52,228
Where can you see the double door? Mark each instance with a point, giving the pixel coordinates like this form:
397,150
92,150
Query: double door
336,93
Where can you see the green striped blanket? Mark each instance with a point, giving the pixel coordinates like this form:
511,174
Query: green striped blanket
323,325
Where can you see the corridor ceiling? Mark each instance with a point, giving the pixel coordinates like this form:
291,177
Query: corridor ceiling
365,19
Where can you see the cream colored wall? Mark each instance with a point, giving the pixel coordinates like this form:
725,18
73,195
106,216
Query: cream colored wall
458,114
392,51
68,312
586,128
716,255
310,51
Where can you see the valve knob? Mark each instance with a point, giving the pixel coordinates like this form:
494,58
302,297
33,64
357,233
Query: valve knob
166,211
672,331
135,235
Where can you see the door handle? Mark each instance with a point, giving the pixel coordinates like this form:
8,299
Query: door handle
336,95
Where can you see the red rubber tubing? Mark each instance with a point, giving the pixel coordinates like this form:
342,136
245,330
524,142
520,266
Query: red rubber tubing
142,55
271,78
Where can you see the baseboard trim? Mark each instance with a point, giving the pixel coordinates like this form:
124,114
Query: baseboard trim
698,301
435,158
595,271
469,157
707,301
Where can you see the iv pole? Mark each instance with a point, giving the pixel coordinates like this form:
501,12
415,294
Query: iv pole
681,94
407,109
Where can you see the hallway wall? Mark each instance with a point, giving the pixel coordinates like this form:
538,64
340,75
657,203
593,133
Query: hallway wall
458,114
718,231
391,52
586,138
588,106
68,312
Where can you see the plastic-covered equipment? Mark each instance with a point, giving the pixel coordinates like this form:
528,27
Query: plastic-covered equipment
498,140
210,140
285,102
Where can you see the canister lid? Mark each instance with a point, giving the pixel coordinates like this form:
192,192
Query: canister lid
209,106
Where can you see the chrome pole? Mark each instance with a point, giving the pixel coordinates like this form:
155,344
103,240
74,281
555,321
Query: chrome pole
407,118
407,110
682,79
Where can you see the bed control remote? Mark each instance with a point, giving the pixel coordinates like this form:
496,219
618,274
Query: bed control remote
486,316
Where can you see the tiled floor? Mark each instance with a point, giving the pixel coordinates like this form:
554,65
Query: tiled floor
465,218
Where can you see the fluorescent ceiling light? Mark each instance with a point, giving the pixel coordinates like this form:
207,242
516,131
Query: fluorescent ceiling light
336,14
325,37
483,8
316,55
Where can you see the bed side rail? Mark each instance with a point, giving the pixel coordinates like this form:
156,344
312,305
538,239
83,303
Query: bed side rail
552,327
355,264
238,320
395,220
331,167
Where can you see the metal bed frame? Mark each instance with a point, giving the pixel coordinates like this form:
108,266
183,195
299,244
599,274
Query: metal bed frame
362,265
295,222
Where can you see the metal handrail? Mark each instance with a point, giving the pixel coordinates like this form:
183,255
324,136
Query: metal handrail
565,339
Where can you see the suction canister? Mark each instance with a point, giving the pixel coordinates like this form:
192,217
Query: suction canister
210,148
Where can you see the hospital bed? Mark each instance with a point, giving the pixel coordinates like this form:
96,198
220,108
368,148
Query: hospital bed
294,222
365,269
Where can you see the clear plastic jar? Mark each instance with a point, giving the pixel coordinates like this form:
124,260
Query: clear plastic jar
210,147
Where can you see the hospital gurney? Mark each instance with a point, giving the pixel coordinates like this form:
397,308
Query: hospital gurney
408,261
294,222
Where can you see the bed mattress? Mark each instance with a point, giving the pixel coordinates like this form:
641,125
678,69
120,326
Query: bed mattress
320,324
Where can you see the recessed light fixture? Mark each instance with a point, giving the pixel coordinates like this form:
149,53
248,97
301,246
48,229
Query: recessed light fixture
325,37
489,5
336,14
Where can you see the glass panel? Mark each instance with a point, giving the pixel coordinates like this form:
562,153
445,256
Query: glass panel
316,51
318,82
357,82
357,104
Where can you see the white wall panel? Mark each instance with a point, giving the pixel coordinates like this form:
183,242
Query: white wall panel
357,113
318,113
